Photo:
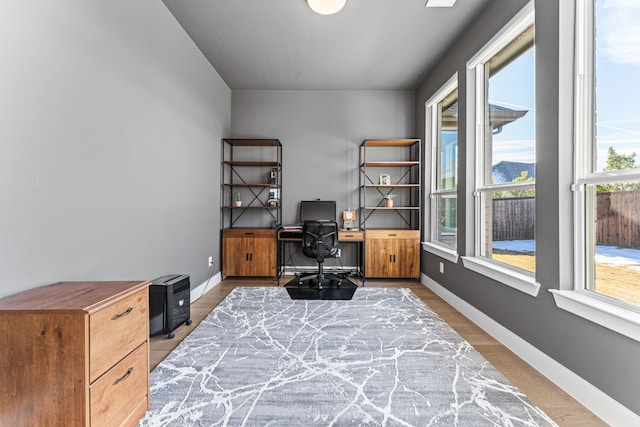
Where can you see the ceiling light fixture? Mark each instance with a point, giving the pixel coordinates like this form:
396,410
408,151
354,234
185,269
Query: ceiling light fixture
439,3
326,7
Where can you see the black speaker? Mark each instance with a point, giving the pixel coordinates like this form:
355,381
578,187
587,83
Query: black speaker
169,304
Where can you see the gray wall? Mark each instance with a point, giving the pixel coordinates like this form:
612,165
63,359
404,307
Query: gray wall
602,357
109,144
321,132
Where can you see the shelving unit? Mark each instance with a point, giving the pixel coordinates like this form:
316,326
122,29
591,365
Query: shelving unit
401,161
392,233
252,169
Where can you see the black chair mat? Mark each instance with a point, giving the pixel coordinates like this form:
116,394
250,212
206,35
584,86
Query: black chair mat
330,290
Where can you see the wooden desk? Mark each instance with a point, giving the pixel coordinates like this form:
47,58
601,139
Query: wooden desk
344,236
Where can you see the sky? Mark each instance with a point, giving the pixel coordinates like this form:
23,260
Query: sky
617,89
618,71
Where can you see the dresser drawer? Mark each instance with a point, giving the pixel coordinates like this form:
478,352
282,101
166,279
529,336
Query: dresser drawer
121,391
393,234
116,330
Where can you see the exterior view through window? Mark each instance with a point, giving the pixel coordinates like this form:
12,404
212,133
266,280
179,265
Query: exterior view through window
507,185
609,177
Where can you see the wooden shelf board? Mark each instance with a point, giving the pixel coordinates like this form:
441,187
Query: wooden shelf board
250,185
393,208
250,207
391,164
253,142
250,163
389,142
392,186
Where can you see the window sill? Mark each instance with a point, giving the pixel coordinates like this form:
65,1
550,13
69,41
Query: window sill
507,276
441,251
599,311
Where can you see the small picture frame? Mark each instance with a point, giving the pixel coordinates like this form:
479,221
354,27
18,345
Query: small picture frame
385,179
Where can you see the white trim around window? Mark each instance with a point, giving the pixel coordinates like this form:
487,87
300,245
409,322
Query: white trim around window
521,281
503,273
576,37
432,129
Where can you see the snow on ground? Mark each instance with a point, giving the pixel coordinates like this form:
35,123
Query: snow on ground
611,255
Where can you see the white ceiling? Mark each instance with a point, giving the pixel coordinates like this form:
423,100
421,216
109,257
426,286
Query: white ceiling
282,44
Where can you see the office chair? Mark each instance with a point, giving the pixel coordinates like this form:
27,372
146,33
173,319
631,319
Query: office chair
320,241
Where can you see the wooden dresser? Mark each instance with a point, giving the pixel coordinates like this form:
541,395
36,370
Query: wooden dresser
75,354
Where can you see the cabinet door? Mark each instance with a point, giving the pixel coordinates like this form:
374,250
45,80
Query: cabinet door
406,259
233,259
378,257
261,256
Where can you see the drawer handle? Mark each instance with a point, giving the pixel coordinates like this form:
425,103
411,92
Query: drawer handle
117,316
392,234
123,377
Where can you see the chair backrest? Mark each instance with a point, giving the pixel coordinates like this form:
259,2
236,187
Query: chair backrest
320,239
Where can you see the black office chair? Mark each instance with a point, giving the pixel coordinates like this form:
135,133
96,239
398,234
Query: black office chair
320,241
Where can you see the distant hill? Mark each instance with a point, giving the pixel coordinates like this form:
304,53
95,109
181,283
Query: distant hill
507,171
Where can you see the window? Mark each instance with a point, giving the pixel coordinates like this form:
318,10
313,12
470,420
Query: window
442,114
606,188
504,196
608,138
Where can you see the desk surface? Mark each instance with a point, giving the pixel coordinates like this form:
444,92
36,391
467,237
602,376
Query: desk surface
343,235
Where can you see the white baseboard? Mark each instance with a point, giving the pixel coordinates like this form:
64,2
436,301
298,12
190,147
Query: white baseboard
594,399
205,287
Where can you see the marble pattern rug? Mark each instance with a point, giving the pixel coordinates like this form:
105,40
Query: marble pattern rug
381,359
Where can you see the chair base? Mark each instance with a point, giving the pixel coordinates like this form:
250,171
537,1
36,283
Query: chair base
332,287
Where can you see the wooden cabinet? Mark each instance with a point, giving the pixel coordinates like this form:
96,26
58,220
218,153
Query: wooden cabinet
392,254
249,252
75,354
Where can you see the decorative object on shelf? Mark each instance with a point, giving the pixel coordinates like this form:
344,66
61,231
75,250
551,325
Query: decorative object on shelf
273,197
389,200
348,219
238,199
385,179
326,7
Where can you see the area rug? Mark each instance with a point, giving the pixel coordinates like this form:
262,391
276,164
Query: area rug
381,359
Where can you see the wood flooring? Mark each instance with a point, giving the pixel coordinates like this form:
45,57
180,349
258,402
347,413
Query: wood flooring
561,407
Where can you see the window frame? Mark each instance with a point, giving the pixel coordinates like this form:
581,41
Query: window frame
432,133
576,298
503,273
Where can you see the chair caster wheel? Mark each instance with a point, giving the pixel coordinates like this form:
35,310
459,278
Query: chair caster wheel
170,335
189,321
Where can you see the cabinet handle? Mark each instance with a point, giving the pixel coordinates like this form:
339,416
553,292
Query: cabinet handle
123,377
392,234
117,316
248,233
250,257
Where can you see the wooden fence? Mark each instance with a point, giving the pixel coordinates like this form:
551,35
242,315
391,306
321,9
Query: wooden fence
618,218
514,218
